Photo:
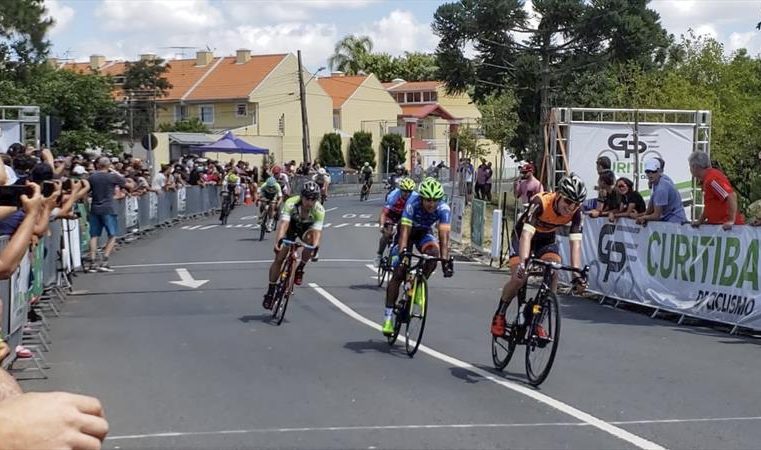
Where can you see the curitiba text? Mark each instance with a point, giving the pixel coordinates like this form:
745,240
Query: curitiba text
720,261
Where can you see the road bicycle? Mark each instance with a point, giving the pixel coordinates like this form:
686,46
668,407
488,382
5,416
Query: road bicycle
411,309
226,207
365,192
284,288
384,266
534,323
266,219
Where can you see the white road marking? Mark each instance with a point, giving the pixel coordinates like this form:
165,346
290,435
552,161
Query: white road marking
371,267
208,227
326,225
211,263
248,217
418,427
248,225
194,227
535,395
331,209
187,280
349,216
341,225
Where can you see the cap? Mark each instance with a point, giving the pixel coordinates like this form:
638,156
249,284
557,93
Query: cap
652,165
78,170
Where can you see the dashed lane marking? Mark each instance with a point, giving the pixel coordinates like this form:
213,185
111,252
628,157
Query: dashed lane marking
213,263
255,226
520,389
341,225
331,209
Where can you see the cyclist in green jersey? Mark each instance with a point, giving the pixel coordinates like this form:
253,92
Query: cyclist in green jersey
302,217
270,196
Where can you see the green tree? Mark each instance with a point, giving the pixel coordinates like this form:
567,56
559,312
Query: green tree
350,53
499,118
392,151
361,150
416,66
23,43
77,141
191,125
331,154
383,65
466,140
144,82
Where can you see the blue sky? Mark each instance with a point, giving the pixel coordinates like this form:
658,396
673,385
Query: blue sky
123,29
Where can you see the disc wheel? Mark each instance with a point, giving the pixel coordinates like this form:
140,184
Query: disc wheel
418,310
543,339
503,347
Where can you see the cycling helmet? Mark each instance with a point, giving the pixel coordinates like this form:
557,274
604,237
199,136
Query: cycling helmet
572,188
407,184
366,164
400,168
528,167
271,182
430,188
310,190
276,170
321,171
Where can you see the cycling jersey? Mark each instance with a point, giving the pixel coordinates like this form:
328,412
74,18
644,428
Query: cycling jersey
395,205
543,220
367,174
293,213
321,179
270,192
416,216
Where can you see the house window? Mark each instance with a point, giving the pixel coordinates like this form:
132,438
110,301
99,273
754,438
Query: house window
206,113
180,112
255,113
400,97
426,96
241,110
118,80
434,96
337,120
416,97
410,97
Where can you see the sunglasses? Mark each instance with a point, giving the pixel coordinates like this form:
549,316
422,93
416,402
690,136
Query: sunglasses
570,204
650,171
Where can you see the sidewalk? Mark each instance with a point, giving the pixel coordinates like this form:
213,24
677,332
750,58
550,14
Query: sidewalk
467,249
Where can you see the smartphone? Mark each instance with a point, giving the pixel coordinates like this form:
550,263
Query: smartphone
48,187
66,186
11,195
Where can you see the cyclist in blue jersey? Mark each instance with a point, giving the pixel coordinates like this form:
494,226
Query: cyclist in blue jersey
392,213
423,210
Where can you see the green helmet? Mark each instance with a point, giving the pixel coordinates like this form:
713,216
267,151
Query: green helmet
430,188
407,184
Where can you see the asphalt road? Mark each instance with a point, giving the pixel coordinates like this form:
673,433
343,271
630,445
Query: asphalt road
179,368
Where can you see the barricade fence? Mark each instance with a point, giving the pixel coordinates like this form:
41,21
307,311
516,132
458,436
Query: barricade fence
44,275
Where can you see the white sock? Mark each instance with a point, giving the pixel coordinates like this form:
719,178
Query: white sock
389,313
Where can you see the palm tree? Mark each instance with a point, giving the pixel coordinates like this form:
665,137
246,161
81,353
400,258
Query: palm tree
350,54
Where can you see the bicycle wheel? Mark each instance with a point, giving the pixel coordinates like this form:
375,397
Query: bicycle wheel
418,310
503,347
544,337
262,227
282,293
382,271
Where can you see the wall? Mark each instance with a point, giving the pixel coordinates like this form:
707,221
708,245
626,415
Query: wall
369,109
458,105
224,113
277,95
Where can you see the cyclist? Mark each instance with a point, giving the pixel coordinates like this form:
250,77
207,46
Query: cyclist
392,182
323,180
535,234
392,213
423,210
302,217
367,175
282,179
231,183
270,196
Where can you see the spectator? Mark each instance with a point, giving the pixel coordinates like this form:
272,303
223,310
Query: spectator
102,212
487,185
159,181
7,174
603,164
665,202
608,199
481,181
632,202
754,213
468,174
527,186
719,197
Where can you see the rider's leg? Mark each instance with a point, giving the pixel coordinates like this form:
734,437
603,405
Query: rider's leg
306,255
513,285
392,290
275,268
385,238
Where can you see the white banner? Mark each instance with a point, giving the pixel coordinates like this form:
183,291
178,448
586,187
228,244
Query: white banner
153,211
705,273
131,209
673,143
10,133
182,196
19,293
496,233
458,209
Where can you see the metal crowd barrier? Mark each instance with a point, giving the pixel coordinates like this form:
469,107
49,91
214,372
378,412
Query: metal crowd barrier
43,277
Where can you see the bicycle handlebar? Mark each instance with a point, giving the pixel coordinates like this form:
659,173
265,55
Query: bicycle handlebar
422,257
297,244
557,266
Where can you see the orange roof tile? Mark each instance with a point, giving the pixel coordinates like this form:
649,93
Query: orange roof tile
229,80
341,88
182,75
423,111
413,86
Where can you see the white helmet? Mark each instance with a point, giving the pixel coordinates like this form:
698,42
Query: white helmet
321,171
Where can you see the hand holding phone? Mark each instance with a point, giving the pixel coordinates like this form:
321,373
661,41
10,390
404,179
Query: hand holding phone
33,202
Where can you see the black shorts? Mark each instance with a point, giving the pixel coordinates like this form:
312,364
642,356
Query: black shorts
543,248
297,230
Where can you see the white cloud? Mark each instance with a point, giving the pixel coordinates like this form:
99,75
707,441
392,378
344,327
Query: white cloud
265,12
158,15
62,14
400,32
706,29
741,40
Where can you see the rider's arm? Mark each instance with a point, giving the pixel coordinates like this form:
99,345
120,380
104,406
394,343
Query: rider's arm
574,237
404,234
444,238
382,220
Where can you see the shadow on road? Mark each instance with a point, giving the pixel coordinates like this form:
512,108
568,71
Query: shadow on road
371,345
266,318
472,378
366,287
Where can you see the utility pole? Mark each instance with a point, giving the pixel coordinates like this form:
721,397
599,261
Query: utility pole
304,122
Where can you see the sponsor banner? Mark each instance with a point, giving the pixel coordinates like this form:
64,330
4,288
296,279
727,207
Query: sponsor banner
458,209
20,293
153,210
182,197
131,216
477,220
673,143
706,272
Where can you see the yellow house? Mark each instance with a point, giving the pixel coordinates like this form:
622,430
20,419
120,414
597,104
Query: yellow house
361,103
256,96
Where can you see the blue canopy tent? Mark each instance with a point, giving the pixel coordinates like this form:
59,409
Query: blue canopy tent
230,144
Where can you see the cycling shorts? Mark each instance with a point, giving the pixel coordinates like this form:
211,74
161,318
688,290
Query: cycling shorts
297,229
544,249
422,238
